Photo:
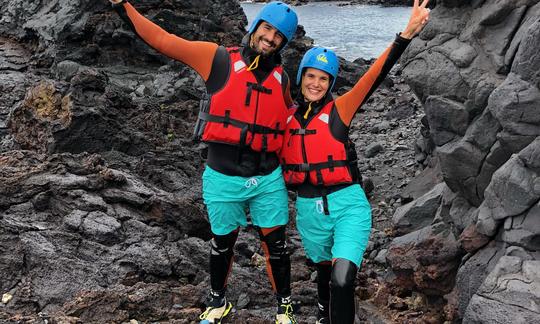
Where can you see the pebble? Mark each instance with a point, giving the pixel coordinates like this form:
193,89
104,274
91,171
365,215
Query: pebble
6,298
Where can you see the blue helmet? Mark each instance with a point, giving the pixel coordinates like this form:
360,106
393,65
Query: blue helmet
279,15
322,59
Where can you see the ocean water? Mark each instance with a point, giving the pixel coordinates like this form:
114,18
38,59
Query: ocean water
351,31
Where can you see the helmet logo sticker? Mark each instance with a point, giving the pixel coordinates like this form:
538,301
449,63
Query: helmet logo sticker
322,58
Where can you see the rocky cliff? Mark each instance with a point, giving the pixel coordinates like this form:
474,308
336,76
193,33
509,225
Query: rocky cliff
475,69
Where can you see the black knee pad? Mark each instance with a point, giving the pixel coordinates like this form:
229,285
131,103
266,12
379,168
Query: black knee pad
342,305
343,274
276,241
279,260
223,244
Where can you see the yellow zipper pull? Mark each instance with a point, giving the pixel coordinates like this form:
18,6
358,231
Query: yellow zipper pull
254,64
307,111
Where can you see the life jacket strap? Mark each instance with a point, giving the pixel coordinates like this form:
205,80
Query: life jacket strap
254,128
302,131
306,167
255,87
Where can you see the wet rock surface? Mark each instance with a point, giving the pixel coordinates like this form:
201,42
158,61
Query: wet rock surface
101,215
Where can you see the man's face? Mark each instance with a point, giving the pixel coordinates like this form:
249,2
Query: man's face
266,39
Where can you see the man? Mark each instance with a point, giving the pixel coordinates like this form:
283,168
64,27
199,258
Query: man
243,120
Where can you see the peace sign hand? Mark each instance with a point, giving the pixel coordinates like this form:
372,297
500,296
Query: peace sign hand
417,21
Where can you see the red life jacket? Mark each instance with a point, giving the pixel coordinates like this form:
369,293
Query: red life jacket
245,112
313,153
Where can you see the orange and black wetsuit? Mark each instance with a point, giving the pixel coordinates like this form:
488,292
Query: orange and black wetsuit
336,278
212,63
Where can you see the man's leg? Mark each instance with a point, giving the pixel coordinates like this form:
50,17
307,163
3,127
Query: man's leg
226,213
278,261
269,211
221,259
278,266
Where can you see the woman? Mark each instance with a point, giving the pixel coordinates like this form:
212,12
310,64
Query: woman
319,163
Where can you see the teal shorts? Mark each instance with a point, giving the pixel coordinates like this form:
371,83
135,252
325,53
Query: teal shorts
228,197
342,234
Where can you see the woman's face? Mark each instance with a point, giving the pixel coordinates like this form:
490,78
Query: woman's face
315,84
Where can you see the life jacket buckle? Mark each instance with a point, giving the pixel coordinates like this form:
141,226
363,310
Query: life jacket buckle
304,167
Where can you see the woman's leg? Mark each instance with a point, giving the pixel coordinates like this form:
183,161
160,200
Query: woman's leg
324,271
352,227
342,307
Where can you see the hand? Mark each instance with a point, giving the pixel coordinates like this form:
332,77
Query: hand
115,1
417,21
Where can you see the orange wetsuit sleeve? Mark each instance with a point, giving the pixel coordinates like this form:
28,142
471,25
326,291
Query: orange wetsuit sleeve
348,104
196,54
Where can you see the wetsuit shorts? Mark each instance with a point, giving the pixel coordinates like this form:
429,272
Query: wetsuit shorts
228,197
342,234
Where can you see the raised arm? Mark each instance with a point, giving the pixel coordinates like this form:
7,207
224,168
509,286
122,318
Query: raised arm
196,54
418,19
348,104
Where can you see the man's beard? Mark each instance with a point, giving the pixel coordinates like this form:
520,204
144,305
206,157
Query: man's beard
259,51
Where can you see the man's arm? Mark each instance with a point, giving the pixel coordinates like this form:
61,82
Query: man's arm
196,54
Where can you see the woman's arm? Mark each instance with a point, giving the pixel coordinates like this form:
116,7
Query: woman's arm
348,104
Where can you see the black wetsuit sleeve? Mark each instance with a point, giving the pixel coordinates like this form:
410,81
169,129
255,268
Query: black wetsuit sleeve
121,11
347,105
398,47
219,74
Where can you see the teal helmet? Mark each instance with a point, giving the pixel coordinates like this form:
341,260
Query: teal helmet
319,58
279,15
